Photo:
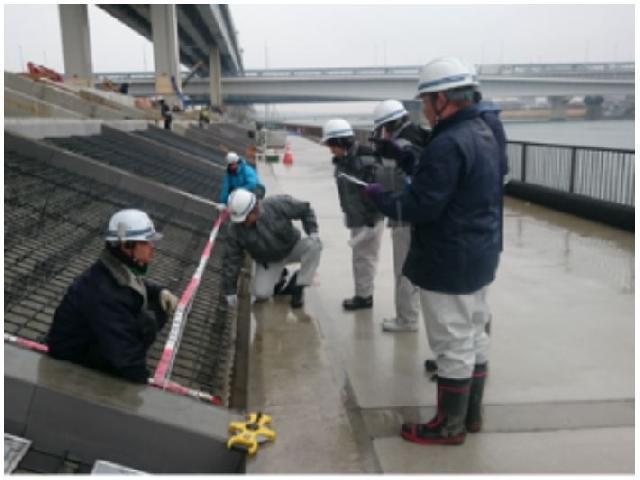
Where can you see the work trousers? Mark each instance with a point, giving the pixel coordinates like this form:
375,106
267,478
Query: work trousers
307,251
456,333
407,295
365,243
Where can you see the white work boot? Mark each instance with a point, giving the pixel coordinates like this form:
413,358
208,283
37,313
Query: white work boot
393,325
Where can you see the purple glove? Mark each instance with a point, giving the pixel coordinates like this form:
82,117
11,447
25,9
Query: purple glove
373,189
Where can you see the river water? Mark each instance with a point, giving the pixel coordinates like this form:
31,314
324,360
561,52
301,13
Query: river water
596,133
599,133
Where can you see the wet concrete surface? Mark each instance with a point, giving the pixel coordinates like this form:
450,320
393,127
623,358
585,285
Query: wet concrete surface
562,349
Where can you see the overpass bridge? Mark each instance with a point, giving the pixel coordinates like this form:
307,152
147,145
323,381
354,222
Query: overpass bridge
365,84
199,27
200,36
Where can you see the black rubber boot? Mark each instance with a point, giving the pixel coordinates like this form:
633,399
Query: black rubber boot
447,427
297,296
473,421
280,287
357,303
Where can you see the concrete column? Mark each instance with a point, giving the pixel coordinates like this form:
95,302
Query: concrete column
164,27
215,77
594,106
558,107
76,44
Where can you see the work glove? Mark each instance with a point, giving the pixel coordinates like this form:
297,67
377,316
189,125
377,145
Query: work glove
388,148
168,302
232,300
373,189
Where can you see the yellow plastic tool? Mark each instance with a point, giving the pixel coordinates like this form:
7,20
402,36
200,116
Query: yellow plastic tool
248,435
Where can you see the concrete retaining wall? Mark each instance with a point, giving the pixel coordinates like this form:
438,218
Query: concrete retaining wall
57,127
110,175
18,104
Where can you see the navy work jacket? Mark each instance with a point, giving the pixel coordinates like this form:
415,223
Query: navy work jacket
453,204
101,324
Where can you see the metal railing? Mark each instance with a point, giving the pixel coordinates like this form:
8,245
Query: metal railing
600,173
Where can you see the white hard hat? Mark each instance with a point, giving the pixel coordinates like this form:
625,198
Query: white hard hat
240,204
131,225
387,111
232,157
444,74
336,128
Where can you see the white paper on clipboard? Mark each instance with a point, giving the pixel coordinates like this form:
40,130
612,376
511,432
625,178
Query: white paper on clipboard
352,179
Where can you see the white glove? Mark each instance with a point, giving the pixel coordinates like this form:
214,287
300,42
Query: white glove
314,236
168,301
232,300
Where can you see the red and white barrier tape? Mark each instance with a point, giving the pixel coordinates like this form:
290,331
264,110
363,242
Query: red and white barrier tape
166,385
23,342
165,364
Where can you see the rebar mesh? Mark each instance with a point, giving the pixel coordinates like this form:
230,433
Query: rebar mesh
54,227
134,159
176,141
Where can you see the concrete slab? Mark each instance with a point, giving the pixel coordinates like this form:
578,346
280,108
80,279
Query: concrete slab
603,450
556,284
562,354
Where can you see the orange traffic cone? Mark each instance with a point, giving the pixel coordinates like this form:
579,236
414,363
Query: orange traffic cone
287,159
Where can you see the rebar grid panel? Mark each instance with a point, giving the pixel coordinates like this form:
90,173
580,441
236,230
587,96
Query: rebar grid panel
54,227
178,142
126,156
212,136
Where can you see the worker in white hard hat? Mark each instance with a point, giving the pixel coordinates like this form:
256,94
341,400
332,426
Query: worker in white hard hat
453,204
264,229
361,217
110,315
239,175
391,122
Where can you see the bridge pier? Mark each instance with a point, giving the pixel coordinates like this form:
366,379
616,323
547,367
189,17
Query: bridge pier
215,77
558,107
164,27
594,106
76,44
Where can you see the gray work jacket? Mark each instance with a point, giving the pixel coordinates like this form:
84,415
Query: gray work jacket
270,239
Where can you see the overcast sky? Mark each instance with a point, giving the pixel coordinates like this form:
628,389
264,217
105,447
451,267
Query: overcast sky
355,35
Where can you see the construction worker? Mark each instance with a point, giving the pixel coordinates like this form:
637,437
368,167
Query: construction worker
391,122
203,117
103,321
167,116
240,175
364,222
265,230
453,204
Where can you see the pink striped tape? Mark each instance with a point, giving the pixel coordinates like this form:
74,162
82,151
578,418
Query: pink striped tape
165,364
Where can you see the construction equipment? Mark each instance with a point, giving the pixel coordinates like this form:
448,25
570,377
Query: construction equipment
248,435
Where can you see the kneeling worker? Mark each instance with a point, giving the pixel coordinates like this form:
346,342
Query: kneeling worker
265,230
102,321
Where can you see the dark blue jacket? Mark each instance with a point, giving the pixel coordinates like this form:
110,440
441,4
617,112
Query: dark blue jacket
245,177
490,112
101,324
453,204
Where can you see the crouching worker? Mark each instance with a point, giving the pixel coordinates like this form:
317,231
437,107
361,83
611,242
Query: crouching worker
240,175
103,321
265,230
